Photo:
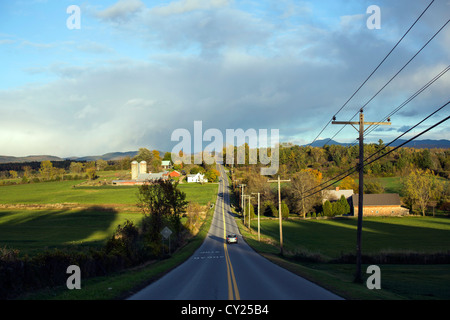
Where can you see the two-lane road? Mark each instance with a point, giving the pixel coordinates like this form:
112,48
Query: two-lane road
219,271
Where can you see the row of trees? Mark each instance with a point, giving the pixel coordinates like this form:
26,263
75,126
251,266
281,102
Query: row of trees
420,189
48,172
334,159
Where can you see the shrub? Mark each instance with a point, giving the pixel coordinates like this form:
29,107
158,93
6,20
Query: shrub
284,210
269,209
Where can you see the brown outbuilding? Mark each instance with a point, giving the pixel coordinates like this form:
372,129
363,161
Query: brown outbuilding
385,204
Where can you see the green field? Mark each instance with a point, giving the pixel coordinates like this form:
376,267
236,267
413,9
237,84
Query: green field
102,208
31,231
68,192
332,237
328,239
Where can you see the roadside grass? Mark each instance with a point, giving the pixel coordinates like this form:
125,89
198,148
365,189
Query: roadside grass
308,241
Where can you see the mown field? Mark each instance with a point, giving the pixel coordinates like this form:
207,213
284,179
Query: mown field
325,240
90,215
69,192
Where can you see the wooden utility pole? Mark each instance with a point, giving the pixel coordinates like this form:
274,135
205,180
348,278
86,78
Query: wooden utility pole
279,210
259,223
242,195
361,130
249,215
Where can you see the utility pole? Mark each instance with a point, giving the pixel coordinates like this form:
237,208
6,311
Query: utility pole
279,210
249,215
361,123
259,223
242,195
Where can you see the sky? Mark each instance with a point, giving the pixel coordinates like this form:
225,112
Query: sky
137,70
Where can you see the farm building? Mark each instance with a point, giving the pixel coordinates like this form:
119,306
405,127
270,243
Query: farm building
196,178
386,204
335,195
174,174
166,164
139,175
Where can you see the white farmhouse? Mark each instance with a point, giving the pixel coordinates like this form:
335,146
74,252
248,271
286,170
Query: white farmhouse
196,178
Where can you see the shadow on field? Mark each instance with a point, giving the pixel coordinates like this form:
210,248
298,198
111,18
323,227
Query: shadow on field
31,231
335,237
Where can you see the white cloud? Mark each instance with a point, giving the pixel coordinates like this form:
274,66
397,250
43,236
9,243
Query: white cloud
183,6
121,11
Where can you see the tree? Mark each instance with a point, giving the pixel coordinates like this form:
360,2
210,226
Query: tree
76,167
373,187
301,190
348,184
196,169
167,156
101,164
91,173
284,210
160,202
327,209
144,155
212,175
46,170
341,207
13,174
421,187
269,209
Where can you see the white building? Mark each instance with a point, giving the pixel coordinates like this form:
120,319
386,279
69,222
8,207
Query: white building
335,195
196,178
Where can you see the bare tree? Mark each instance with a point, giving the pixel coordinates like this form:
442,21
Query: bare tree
301,192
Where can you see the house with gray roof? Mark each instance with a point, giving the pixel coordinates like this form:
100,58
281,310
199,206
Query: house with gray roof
385,204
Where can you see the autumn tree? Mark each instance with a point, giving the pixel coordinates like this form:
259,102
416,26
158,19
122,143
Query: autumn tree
348,183
46,170
422,187
13,174
212,175
302,188
101,164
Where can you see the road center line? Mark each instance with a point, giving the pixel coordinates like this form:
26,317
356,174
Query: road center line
230,271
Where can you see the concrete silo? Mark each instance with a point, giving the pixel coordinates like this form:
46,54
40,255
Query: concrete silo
134,170
143,167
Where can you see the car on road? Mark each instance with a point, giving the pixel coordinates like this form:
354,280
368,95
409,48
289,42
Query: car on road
232,238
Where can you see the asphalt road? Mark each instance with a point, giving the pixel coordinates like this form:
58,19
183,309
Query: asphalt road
221,271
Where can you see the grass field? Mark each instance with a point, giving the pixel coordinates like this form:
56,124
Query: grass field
103,208
330,238
65,192
333,237
31,231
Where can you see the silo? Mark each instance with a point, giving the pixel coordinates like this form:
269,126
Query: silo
134,170
143,167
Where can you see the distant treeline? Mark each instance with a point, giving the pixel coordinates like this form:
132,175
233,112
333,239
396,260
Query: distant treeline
35,165
331,160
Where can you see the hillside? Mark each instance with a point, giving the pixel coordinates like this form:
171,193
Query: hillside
36,158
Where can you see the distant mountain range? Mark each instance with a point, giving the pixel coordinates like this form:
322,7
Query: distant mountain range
39,158
419,144
106,156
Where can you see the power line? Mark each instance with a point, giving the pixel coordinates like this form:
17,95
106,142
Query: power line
352,170
392,78
375,70
402,105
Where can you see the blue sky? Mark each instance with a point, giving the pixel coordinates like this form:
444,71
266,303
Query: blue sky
137,70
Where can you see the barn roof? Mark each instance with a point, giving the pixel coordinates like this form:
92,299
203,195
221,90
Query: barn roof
384,199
